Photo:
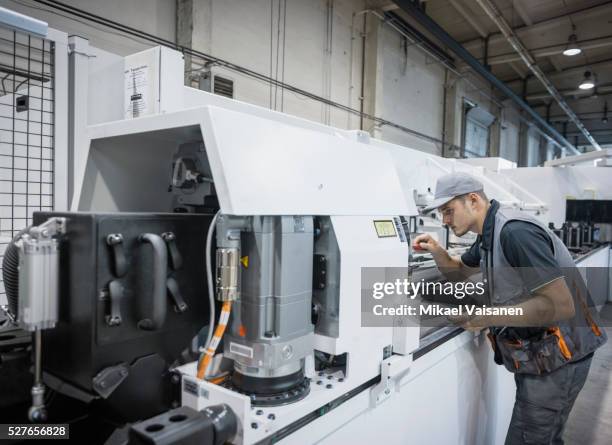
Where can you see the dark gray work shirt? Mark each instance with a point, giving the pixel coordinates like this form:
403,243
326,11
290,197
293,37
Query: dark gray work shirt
526,246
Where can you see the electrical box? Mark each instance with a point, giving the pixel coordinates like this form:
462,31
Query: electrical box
153,82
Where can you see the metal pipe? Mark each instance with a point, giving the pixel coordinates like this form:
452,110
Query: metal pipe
37,356
363,55
37,411
496,16
444,113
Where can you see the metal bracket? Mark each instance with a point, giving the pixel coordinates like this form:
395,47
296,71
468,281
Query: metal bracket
120,264
175,294
107,380
319,272
50,228
392,370
176,260
115,294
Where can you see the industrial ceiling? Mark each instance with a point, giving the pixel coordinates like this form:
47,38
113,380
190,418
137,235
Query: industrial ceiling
547,29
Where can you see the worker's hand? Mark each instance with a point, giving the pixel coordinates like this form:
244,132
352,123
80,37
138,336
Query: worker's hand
427,243
468,322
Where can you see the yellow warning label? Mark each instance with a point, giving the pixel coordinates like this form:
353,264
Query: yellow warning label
245,261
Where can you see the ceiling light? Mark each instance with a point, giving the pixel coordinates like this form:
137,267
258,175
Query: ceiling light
572,48
588,82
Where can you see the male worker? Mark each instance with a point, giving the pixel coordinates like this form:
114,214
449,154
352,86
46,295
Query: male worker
524,265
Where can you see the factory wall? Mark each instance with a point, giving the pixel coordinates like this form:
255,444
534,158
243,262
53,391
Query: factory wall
152,16
412,87
317,46
307,44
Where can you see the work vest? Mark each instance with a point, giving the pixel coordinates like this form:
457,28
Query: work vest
566,341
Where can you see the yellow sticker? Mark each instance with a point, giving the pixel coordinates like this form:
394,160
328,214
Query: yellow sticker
245,261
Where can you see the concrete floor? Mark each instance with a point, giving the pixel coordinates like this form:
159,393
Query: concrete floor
590,421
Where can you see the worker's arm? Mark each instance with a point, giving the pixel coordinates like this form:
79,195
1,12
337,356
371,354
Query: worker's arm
451,266
550,303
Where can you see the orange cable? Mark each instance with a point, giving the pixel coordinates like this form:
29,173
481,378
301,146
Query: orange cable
214,342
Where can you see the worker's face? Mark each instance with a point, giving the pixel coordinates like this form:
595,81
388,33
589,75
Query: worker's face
458,215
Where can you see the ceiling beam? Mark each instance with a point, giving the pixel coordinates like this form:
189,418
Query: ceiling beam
578,69
601,89
389,7
519,69
496,16
561,20
469,17
586,116
585,99
520,10
553,61
602,131
549,51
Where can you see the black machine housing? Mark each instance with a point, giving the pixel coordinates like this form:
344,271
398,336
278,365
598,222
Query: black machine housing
105,345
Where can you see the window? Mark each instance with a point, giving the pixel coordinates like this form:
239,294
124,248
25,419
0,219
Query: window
476,130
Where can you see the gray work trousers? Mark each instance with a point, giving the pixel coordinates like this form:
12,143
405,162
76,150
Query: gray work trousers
543,404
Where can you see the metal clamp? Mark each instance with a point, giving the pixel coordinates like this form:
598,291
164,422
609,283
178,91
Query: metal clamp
175,294
392,370
176,260
115,293
107,380
120,264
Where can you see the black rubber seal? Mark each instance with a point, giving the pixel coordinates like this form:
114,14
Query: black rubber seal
267,385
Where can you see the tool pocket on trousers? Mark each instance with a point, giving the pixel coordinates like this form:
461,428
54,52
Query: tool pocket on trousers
551,352
517,356
539,356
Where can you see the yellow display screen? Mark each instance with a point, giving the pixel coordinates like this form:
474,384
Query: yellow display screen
384,228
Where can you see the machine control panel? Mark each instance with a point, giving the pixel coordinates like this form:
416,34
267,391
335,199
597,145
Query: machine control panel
385,228
390,228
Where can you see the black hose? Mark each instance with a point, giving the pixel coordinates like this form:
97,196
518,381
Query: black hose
10,273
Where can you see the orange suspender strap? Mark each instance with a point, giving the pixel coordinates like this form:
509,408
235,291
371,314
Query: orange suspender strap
587,312
561,341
